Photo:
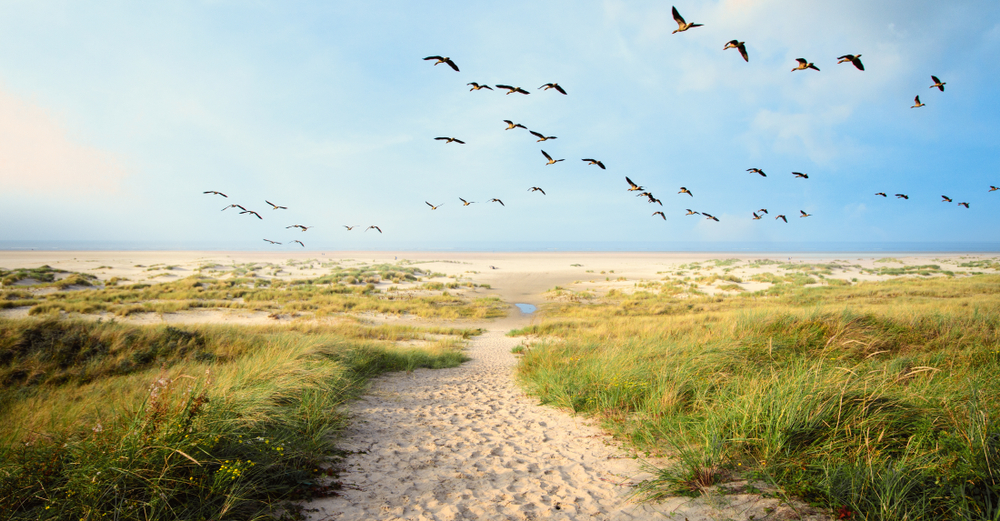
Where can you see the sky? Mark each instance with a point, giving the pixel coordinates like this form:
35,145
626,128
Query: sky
116,116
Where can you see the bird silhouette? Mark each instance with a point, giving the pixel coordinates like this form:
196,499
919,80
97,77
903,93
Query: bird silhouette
595,162
511,124
881,193
540,136
757,171
800,175
710,216
495,200
756,217
902,196
738,45
253,213
803,65
300,243
272,242
782,217
556,86
854,59
804,214
993,188
681,24
653,199
464,202
373,226
476,86
945,199
536,189
349,228
443,59
234,206
762,210
964,204
551,161
303,228
632,186
660,214
449,140
917,104
938,83
511,90
692,212
216,193
685,191
274,206
433,207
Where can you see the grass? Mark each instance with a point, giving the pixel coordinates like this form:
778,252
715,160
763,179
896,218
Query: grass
203,422
874,398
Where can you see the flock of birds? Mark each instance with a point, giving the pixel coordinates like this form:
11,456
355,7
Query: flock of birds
682,26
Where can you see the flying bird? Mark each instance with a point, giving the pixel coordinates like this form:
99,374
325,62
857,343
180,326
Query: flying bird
556,86
300,243
738,45
349,228
495,200
540,136
692,212
252,212
938,83
653,199
945,199
274,206
685,191
917,104
681,24
756,217
511,124
595,162
660,214
511,90
881,193
902,196
373,226
710,216
800,175
449,140
304,228
762,210
272,242
476,86
443,59
782,217
216,193
854,59
804,214
551,161
434,207
234,206
536,189
803,65
464,202
964,204
993,188
632,186
757,171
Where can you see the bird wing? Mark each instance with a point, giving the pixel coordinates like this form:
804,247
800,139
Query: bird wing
594,161
917,100
857,63
560,89
743,52
452,64
936,80
440,138
677,16
629,181
522,91
434,58
429,204
533,133
507,121
505,87
459,141
802,61
547,156
542,191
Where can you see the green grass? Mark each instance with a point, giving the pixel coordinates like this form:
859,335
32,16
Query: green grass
101,420
880,398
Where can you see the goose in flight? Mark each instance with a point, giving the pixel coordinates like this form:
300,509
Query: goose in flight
274,206
632,186
300,243
945,199
540,136
800,175
710,216
511,90
692,212
449,140
511,124
551,161
234,206
495,200
304,228
756,216
660,214
881,193
464,202
938,83
272,242
556,86
762,210
964,204
252,212
536,189
994,188
476,86
803,65
917,104
653,199
854,59
782,217
349,228
373,226
443,59
757,171
902,196
738,45
595,162
804,214
216,193
434,207
685,191
681,24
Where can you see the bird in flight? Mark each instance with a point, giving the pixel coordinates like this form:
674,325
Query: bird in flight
540,136
757,171
881,193
476,86
681,24
595,162
902,196
252,212
495,200
762,210
692,212
300,243
854,59
551,161
632,186
660,214
993,188
756,217
349,228
917,104
686,191
274,206
272,242
804,214
536,189
800,175
556,86
511,124
464,202
443,59
373,226
782,217
450,139
651,198
216,193
803,65
434,207
938,83
945,199
511,90
234,206
964,204
304,228
710,216
738,45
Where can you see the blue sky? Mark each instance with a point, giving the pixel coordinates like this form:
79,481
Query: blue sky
116,116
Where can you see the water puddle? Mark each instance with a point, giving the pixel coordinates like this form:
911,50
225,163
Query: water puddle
526,308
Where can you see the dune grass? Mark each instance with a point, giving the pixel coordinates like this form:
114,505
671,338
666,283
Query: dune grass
100,420
879,399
